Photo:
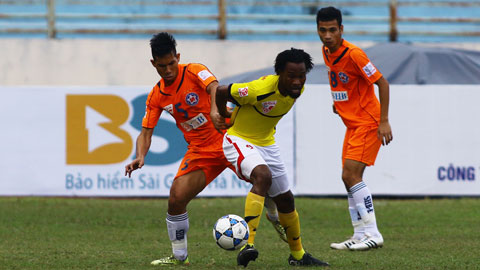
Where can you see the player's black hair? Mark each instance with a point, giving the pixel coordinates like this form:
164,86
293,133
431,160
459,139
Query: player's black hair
163,43
329,14
294,56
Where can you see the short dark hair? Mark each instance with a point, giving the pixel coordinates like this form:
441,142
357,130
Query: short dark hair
162,44
329,14
294,56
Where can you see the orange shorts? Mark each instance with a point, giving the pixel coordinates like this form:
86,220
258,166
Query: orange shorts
361,144
211,161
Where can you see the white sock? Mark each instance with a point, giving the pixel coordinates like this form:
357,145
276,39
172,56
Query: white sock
357,222
364,205
271,207
177,226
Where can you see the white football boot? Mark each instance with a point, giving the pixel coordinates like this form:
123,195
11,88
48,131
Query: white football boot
345,244
368,242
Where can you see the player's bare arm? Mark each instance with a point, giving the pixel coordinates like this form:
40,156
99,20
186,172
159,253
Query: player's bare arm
217,119
221,98
384,131
143,144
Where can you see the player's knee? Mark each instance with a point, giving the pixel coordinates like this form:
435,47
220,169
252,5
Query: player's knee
177,199
350,179
347,176
262,177
285,202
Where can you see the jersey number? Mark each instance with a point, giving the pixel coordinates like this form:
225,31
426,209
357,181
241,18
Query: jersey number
333,79
180,110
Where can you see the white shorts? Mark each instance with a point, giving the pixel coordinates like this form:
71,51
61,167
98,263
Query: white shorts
245,156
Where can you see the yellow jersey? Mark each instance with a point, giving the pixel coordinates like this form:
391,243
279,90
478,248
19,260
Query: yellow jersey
260,106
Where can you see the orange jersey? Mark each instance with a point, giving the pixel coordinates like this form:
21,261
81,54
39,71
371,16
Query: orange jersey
351,77
188,102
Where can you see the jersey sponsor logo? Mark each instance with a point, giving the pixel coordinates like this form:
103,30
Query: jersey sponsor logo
343,77
243,92
339,95
195,122
204,74
369,69
267,106
249,146
192,99
169,108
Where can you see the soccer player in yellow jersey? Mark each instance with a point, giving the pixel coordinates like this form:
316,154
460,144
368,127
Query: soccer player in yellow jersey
249,145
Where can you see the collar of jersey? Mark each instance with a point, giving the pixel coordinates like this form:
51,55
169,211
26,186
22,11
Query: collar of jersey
338,51
173,87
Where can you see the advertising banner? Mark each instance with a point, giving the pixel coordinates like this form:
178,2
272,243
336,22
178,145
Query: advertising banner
435,148
76,141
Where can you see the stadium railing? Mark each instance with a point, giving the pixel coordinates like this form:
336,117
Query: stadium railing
51,17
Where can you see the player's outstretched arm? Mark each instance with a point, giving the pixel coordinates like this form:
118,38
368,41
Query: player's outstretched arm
384,131
143,144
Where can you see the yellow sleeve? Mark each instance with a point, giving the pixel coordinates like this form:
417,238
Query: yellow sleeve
243,93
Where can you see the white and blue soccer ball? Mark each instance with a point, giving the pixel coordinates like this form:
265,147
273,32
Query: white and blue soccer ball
231,232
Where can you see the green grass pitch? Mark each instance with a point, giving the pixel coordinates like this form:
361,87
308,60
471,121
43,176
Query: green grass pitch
71,233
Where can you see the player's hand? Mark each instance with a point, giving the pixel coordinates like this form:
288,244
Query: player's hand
384,133
219,121
135,164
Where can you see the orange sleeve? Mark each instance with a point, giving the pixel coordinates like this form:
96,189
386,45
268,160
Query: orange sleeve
153,110
205,77
367,69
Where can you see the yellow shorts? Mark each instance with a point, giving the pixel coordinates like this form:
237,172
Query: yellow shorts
361,144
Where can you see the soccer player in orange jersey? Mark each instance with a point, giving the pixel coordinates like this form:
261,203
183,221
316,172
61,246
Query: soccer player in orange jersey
352,76
186,91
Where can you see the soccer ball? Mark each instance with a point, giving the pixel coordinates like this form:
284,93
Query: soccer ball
230,232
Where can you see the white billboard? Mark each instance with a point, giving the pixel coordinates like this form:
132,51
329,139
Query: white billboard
76,141
435,148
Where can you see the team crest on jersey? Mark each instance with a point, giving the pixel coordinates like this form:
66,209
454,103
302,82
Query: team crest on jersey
243,92
267,106
343,77
169,108
192,99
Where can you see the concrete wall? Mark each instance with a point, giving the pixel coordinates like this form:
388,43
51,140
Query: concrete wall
126,62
